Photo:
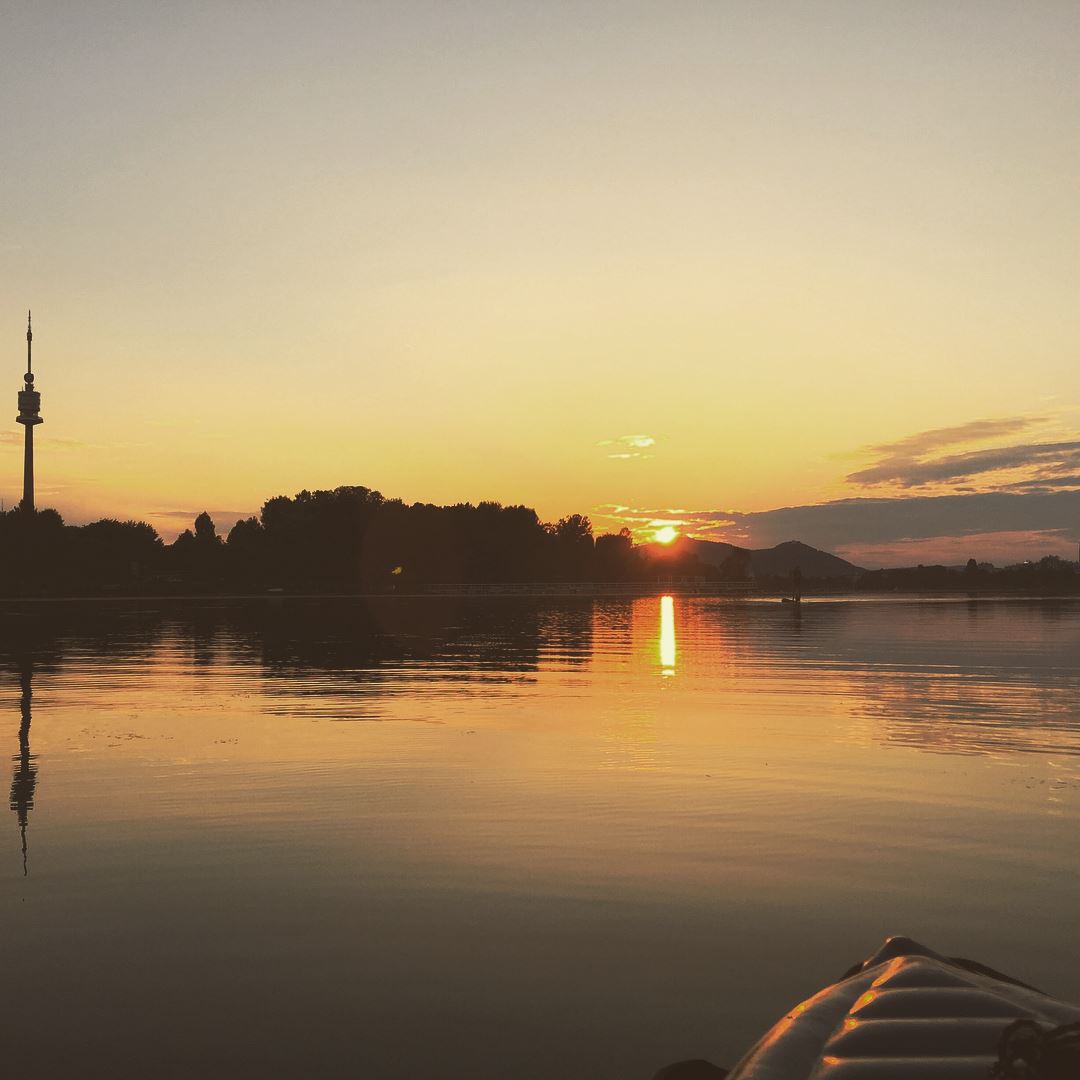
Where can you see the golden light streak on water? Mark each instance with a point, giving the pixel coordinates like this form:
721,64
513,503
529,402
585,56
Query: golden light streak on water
667,635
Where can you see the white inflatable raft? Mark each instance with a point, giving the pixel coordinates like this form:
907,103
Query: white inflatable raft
907,1013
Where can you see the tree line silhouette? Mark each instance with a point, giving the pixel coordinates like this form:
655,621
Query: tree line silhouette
352,539
1050,574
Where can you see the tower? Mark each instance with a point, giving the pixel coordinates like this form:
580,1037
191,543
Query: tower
29,410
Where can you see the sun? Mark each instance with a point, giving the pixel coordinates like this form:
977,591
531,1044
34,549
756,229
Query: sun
666,535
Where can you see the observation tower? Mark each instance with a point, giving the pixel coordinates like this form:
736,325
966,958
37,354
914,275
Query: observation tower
29,416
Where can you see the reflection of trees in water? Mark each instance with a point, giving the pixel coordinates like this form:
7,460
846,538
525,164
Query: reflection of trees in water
957,677
978,677
353,653
326,647
294,644
965,715
985,680
368,634
565,631
349,650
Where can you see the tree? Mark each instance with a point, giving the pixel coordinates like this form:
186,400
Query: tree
574,529
199,555
614,555
33,551
205,531
245,552
114,554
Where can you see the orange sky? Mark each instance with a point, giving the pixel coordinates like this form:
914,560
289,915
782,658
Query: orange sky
701,258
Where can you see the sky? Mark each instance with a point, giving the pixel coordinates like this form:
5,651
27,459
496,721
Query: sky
768,271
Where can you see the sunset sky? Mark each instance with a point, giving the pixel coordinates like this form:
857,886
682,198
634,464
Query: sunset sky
726,265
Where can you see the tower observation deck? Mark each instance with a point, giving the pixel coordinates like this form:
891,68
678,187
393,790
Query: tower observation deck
29,416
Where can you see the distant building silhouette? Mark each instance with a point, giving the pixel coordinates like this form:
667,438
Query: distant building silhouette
29,416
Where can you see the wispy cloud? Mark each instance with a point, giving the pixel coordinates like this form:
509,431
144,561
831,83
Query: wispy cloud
11,438
66,444
1001,548
642,520
925,442
191,515
1048,483
920,517
918,461
170,523
628,447
1048,458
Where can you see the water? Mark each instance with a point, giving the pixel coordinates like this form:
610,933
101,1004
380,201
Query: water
574,839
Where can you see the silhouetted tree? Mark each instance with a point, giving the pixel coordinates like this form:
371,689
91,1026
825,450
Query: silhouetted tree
199,556
573,547
114,555
613,556
33,552
205,530
245,553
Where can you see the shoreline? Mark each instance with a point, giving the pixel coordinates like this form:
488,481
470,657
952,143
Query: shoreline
537,593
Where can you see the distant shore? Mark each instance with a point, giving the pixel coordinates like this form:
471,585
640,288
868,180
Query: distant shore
589,591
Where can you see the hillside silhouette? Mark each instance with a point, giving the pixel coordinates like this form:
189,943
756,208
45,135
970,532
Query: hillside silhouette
353,540
780,561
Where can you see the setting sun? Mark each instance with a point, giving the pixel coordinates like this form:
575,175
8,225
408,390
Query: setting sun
666,535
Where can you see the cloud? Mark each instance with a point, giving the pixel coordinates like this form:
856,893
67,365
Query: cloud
924,442
917,461
11,438
191,515
642,520
1047,483
1050,458
1050,519
170,523
1001,548
628,447
65,444
848,521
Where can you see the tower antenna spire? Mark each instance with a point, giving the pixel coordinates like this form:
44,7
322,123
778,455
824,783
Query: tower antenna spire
29,416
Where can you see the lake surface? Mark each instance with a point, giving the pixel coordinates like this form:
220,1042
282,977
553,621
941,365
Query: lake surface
538,839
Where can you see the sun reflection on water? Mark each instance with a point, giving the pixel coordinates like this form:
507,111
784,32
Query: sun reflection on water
667,635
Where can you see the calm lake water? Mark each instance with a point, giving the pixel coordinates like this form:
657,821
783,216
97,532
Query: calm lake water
538,839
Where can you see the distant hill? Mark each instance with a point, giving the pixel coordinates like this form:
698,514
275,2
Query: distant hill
779,561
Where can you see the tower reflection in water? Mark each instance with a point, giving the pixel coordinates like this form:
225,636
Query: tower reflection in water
24,780
667,635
